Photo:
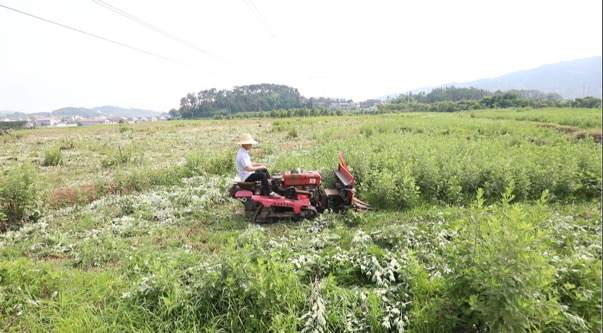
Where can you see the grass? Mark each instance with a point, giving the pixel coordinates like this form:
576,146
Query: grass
154,244
586,119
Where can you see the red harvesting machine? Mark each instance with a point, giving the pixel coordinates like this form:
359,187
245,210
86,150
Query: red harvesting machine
303,195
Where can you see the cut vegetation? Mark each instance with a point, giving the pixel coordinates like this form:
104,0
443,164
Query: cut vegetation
485,221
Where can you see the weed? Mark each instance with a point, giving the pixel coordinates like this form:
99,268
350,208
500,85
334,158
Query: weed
53,156
19,195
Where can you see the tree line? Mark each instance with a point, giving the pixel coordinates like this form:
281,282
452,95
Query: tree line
454,94
282,113
263,97
452,99
6,125
278,101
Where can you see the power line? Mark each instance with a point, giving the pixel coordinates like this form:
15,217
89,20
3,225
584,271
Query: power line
102,38
148,25
156,29
260,17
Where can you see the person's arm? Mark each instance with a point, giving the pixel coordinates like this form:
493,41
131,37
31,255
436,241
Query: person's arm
249,165
255,166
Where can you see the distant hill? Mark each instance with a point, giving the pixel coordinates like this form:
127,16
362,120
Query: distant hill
15,115
98,112
4,113
570,79
103,111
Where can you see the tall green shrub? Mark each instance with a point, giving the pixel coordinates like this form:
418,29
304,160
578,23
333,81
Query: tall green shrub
19,195
53,156
392,189
499,276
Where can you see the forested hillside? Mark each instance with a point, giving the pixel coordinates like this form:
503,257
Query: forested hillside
256,97
451,99
107,111
68,112
570,79
280,101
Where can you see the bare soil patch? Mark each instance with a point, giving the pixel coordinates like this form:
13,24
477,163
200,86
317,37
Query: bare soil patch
577,132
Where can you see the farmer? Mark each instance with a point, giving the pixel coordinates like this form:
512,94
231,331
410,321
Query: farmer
251,171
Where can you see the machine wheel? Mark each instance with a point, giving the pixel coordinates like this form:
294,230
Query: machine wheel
309,212
322,200
257,216
262,215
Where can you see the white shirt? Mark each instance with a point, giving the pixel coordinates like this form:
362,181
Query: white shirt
243,161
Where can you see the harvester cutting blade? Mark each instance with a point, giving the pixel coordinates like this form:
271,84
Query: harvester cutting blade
361,206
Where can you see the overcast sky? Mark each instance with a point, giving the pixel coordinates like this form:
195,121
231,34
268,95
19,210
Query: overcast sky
149,53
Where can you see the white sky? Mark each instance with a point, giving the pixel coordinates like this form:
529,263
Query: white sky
347,49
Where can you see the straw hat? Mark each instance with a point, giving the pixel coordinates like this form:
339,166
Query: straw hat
246,139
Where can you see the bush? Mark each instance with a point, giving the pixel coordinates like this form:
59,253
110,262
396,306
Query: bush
122,156
18,196
390,189
292,133
53,157
499,276
125,129
67,143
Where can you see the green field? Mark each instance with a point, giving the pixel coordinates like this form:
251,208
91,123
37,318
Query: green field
485,221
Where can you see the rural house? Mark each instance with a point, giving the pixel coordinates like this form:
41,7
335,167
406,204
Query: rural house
88,122
45,122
